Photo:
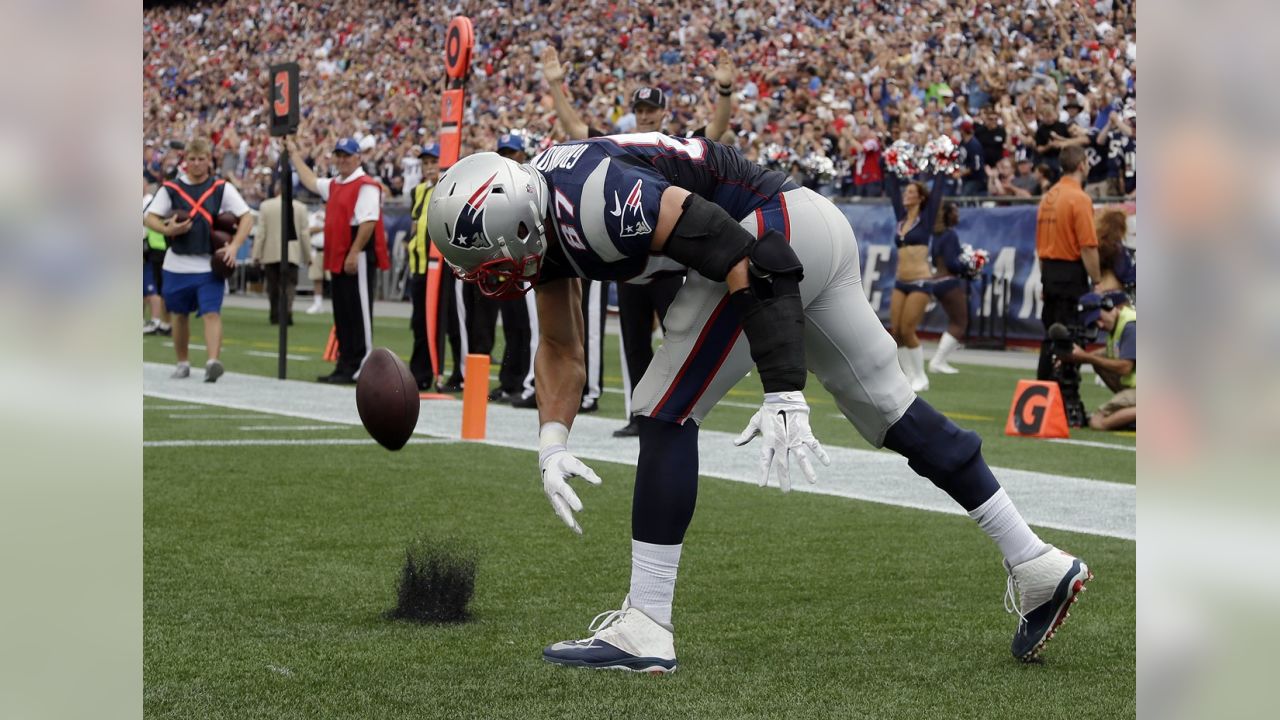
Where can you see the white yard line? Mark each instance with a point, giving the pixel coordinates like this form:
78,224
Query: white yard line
1046,500
247,443
215,416
1094,443
264,353
287,428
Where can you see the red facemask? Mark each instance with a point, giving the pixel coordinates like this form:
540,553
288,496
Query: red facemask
503,278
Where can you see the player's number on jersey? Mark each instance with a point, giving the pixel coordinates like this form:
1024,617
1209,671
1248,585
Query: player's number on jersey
691,148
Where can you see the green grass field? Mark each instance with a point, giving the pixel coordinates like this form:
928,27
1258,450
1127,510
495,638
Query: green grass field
268,570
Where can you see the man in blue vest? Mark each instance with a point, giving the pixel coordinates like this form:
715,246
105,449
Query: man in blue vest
183,210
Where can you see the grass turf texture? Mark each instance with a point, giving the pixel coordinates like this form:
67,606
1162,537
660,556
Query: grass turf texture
978,398
268,571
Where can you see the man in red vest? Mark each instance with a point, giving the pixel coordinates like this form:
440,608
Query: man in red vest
355,247
183,210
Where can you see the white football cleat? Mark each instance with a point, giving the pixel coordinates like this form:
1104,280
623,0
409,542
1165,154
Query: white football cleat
624,639
920,384
316,306
1046,587
941,367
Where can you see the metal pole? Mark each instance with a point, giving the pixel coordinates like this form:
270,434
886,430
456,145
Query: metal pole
285,311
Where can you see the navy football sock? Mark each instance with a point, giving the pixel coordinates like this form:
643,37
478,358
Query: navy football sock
666,481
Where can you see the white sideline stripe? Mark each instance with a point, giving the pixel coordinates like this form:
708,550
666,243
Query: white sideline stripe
190,346
245,443
214,416
265,354
287,428
185,406
1094,443
1045,500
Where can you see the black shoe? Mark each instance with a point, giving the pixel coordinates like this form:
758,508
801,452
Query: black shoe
337,379
632,429
589,406
500,395
453,386
424,385
526,403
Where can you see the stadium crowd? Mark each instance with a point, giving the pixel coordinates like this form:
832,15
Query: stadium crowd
822,87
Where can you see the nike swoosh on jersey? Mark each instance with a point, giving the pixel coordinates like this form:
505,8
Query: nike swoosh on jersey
617,205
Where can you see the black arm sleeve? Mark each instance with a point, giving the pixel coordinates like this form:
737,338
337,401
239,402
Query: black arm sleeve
707,239
772,314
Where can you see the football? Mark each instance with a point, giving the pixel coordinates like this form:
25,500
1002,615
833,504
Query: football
220,267
387,398
224,229
227,223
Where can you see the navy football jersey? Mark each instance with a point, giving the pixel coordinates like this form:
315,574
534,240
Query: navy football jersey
606,191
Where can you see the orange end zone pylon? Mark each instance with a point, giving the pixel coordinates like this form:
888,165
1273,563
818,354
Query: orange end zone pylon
475,397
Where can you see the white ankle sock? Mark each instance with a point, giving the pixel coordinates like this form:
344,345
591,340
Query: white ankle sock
916,354
184,364
946,346
653,578
904,361
1001,520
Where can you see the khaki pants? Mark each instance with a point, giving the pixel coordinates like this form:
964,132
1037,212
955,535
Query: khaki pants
1126,398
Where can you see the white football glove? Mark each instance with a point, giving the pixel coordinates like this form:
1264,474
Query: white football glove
783,422
557,467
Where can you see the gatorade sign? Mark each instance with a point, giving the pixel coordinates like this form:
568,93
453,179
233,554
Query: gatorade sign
1037,411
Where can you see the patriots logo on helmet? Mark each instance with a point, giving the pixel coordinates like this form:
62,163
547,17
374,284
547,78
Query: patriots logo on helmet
468,232
633,222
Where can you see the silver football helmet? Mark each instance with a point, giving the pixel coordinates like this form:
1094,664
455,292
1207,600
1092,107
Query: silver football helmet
486,217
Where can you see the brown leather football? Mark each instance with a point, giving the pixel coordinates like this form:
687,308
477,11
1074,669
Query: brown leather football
218,239
387,399
227,223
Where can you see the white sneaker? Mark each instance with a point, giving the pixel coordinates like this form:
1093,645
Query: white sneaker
1046,587
942,367
316,307
624,639
152,327
180,372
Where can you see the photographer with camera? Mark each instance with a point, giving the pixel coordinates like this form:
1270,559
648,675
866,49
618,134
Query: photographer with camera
1117,363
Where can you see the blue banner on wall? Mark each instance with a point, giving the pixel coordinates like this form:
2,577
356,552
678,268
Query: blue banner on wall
1008,234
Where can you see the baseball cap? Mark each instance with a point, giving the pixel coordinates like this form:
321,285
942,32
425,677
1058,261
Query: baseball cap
1074,101
650,96
965,124
348,146
512,142
1090,307
432,150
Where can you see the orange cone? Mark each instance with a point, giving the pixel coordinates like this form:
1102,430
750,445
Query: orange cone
1037,411
331,349
475,397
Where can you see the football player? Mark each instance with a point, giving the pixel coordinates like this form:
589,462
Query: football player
773,281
